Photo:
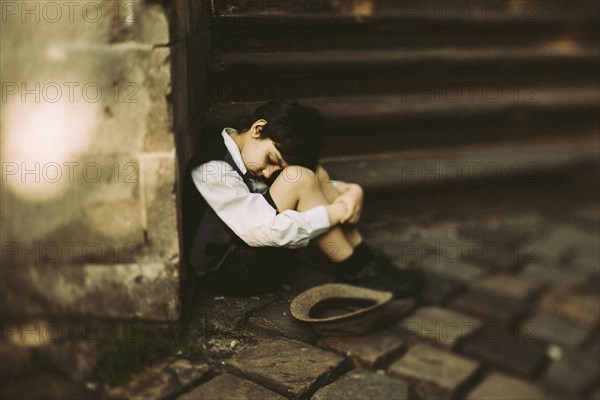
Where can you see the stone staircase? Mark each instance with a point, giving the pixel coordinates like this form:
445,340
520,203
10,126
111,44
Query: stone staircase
419,91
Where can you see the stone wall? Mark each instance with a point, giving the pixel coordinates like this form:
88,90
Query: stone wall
191,47
89,168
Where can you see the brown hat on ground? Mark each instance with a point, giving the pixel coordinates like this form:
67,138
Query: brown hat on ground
337,308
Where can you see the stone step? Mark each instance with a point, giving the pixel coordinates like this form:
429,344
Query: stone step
264,75
431,101
423,116
434,9
249,26
517,162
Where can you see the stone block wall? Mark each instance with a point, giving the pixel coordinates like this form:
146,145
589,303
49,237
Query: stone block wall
89,164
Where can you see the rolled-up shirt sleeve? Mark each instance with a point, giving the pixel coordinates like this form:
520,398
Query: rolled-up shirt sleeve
250,216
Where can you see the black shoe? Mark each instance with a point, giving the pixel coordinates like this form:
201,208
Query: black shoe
381,274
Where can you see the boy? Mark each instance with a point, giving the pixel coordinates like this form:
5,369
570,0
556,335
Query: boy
264,194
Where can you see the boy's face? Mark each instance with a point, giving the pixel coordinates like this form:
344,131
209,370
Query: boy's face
260,156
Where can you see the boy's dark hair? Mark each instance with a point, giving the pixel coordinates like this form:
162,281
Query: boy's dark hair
294,128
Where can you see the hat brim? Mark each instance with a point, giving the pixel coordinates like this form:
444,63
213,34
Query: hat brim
359,300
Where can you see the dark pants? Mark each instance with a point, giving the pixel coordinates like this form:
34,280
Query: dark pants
250,271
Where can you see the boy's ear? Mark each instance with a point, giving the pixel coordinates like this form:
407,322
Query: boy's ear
257,128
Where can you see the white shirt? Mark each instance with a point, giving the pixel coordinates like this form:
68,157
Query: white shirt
249,214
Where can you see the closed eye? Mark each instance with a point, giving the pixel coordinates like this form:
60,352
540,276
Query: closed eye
274,161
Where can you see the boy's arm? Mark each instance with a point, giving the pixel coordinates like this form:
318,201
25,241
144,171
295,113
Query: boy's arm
251,217
349,194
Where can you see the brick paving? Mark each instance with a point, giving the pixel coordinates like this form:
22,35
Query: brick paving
227,387
499,346
371,351
441,326
363,384
498,386
285,366
436,374
573,372
160,382
524,330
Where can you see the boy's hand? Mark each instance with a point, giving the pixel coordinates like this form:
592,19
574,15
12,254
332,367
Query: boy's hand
351,196
335,212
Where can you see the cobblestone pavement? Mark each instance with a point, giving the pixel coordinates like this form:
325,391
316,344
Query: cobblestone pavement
510,311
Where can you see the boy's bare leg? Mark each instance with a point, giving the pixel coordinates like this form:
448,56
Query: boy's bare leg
304,191
298,188
350,231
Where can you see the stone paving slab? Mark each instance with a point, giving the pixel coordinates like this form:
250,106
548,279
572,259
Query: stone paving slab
161,381
228,314
499,386
504,348
574,373
564,244
553,329
573,305
488,306
497,298
585,262
509,287
549,276
371,351
499,248
439,288
277,320
230,387
362,384
285,366
593,347
459,270
44,386
15,360
439,325
436,374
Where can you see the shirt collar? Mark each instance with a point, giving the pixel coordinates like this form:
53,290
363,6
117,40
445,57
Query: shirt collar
233,149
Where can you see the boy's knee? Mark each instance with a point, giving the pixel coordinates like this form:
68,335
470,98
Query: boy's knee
322,174
298,176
